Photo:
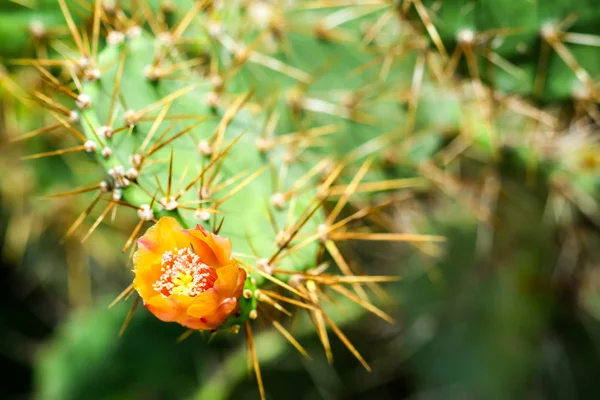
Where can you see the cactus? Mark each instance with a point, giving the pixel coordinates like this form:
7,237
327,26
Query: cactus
133,114
287,128
547,50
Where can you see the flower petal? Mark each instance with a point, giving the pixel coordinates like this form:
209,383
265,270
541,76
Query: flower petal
204,304
206,253
227,307
226,282
220,247
165,235
163,308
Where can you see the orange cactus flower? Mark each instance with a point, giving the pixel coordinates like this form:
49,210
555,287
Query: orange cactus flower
187,275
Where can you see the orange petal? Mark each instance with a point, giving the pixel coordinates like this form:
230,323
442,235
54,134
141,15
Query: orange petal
144,282
205,252
170,234
220,247
226,282
163,308
227,307
241,281
203,304
147,255
194,323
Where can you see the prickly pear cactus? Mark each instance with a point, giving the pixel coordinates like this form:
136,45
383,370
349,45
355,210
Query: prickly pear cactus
187,140
285,128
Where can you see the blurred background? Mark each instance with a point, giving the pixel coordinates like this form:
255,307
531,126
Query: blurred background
502,313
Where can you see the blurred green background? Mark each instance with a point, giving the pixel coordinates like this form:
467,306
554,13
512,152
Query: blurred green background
506,311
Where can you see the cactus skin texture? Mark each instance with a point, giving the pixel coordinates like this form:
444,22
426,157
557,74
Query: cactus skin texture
281,127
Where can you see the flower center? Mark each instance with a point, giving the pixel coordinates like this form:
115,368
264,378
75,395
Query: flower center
184,273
